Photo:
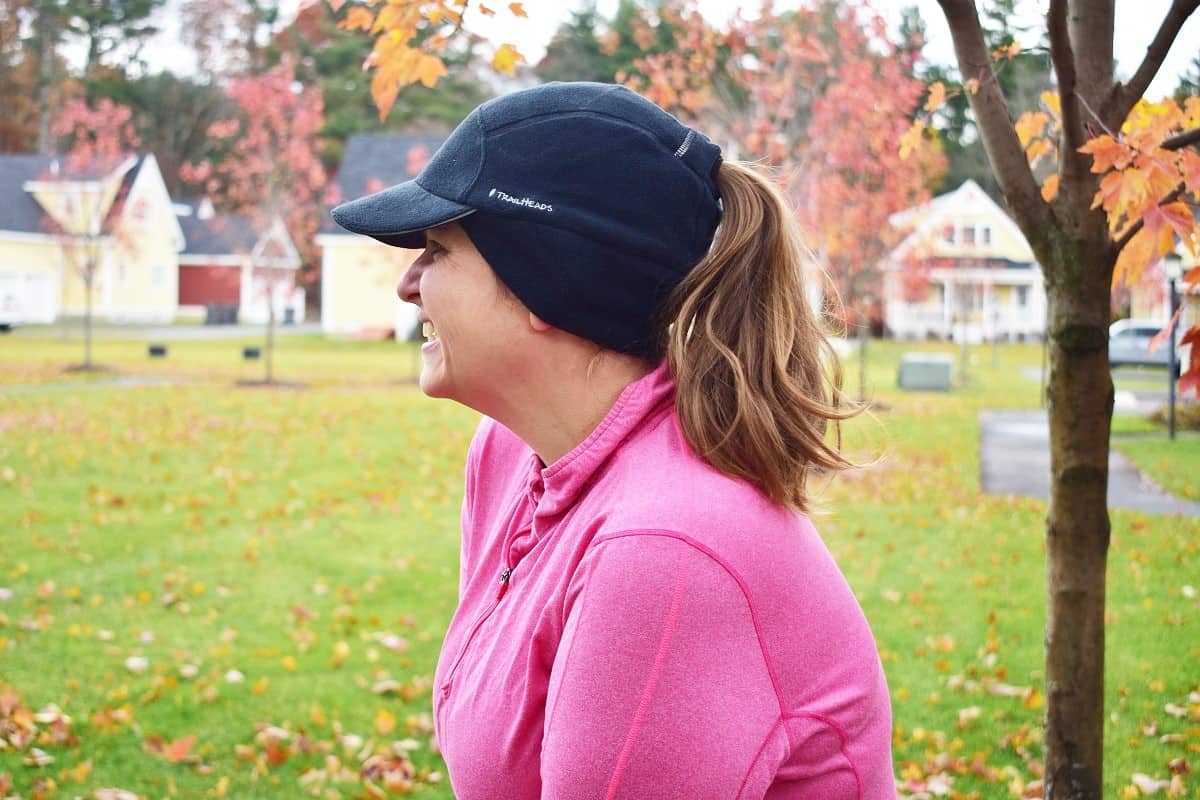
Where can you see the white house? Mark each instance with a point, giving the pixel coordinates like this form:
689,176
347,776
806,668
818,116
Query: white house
964,270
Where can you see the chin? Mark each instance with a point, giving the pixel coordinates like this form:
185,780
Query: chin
433,386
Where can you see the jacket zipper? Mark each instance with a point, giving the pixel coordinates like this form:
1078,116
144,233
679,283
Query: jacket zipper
505,576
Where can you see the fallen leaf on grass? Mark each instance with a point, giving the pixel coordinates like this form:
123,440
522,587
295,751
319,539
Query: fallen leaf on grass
113,794
176,752
1148,785
385,721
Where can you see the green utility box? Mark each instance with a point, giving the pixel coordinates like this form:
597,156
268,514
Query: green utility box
926,372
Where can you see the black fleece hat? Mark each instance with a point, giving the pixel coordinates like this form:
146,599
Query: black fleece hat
590,203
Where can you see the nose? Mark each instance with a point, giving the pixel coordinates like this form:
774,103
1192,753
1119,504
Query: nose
409,288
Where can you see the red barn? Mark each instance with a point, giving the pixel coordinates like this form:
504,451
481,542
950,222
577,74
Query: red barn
228,270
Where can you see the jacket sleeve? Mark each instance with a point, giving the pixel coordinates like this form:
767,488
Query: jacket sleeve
659,687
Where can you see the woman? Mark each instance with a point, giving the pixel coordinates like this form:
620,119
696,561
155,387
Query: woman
645,610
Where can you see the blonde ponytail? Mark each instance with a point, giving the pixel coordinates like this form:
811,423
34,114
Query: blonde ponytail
748,352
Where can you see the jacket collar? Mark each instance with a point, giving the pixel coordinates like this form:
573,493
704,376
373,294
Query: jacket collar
554,489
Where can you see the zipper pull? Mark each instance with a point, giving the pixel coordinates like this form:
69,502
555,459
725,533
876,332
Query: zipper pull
504,576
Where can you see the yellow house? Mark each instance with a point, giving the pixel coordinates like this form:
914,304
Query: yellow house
54,225
358,274
964,270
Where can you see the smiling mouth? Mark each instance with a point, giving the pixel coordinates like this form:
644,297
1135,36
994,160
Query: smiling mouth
429,332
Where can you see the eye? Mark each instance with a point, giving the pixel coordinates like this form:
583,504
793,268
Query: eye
433,249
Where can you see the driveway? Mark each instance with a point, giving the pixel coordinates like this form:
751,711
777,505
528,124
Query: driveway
1014,459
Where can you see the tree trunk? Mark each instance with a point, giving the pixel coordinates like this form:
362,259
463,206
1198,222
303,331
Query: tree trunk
1079,399
270,332
88,280
862,362
46,36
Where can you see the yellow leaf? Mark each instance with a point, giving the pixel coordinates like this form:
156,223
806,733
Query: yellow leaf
1037,149
1051,101
937,96
506,59
972,86
1031,125
487,12
517,9
385,721
1050,188
911,139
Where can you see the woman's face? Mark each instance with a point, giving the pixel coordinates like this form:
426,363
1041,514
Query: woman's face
473,326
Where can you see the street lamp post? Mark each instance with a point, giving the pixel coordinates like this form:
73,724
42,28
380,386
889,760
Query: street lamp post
1173,267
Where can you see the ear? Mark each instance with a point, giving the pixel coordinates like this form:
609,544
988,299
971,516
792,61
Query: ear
538,324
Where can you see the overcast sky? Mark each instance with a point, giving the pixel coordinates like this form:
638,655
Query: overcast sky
1136,23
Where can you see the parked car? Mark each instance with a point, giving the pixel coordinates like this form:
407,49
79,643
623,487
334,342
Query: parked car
1129,344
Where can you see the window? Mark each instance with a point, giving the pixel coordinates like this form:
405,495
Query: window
1022,296
968,234
948,234
985,234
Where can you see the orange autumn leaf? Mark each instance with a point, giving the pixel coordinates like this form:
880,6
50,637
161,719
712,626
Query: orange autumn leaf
358,18
517,9
1050,188
1176,217
429,69
1145,249
1107,153
177,751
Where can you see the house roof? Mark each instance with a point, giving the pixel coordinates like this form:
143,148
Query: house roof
20,212
215,235
375,161
928,217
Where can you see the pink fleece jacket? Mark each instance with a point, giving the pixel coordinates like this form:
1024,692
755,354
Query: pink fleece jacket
632,623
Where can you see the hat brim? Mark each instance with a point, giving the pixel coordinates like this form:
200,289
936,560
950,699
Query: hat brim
399,215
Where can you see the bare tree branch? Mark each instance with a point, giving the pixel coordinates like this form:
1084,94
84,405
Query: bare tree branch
992,116
1124,96
1170,197
1182,140
1073,135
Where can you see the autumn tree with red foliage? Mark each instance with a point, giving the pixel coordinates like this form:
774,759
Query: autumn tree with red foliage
787,89
82,190
270,168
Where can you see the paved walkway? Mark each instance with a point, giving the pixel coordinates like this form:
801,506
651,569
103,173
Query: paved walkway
160,333
84,384
1014,458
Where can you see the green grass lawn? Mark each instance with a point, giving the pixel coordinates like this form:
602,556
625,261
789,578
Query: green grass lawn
270,571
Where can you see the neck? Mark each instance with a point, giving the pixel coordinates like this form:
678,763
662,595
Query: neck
560,402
